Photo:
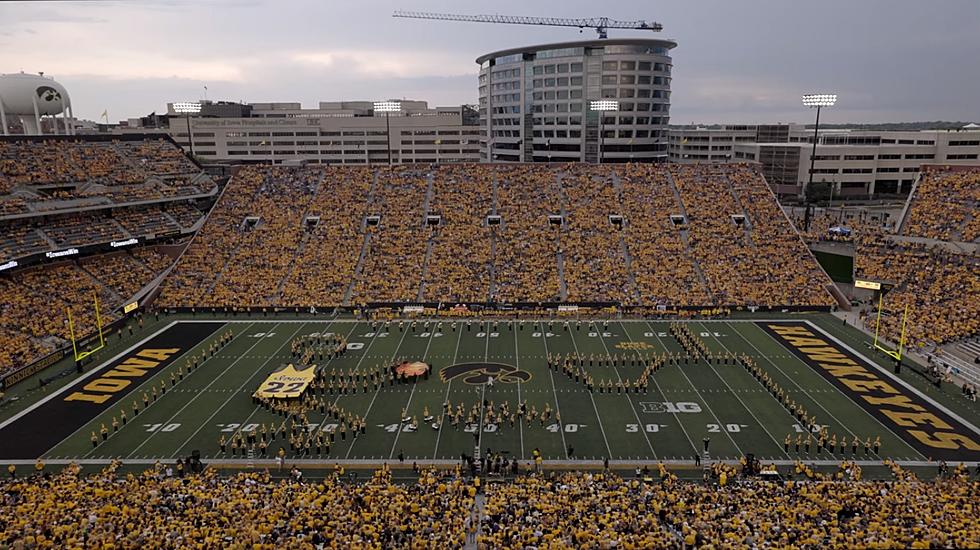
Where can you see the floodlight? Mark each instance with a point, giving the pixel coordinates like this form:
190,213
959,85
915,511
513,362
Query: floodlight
604,105
819,100
187,107
387,106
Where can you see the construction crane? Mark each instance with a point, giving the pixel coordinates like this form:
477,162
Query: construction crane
600,24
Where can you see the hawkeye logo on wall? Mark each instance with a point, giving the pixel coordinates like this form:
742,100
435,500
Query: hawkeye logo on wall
481,373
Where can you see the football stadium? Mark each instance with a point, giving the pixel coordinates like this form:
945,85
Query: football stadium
543,354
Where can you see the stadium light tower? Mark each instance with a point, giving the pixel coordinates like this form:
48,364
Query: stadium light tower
816,101
602,106
187,108
387,107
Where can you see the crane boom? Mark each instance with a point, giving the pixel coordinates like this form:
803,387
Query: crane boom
600,24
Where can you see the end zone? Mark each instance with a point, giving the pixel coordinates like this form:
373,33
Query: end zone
47,422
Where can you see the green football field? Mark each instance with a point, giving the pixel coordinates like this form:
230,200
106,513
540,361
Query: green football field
687,401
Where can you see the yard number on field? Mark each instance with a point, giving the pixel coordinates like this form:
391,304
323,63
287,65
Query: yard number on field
161,427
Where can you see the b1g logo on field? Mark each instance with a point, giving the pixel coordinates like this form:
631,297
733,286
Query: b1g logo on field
481,373
669,407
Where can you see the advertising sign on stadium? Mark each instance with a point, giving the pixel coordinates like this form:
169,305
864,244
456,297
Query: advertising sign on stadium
130,307
60,253
413,309
567,308
9,265
286,382
870,285
127,242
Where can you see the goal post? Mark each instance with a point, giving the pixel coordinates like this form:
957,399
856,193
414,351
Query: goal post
897,352
79,355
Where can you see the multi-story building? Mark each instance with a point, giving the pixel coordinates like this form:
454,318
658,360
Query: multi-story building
534,101
856,163
348,132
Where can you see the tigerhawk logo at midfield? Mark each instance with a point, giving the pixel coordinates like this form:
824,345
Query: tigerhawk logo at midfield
480,373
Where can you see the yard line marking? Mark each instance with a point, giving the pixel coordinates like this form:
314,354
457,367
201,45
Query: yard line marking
596,409
408,405
561,425
517,363
377,391
655,383
774,440
442,419
238,431
356,366
696,391
815,401
86,376
627,396
160,398
483,394
233,393
216,378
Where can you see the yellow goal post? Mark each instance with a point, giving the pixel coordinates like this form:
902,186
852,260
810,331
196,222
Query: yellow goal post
79,355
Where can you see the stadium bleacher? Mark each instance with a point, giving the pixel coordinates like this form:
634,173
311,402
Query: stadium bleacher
555,240
168,505
33,301
944,205
81,192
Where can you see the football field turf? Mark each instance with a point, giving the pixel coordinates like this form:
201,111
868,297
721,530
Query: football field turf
687,401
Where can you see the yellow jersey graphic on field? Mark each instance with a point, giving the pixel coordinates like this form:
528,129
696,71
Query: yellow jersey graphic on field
286,382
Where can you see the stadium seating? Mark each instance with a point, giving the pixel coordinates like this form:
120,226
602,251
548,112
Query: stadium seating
944,205
463,197
526,260
555,241
167,506
50,180
593,251
328,251
940,288
602,510
742,241
247,510
392,269
33,302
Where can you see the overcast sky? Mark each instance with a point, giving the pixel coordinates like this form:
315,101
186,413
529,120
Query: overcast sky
737,61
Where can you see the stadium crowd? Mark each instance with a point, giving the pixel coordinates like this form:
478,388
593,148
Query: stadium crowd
944,205
325,262
463,198
592,247
33,301
174,507
180,510
565,233
396,250
940,288
742,240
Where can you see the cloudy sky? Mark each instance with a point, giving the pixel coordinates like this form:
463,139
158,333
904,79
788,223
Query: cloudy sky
737,60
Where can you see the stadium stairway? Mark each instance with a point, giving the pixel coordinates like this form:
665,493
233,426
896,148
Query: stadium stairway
298,252
425,265
623,247
117,298
426,208
685,238
51,244
365,243
560,256
741,208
